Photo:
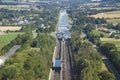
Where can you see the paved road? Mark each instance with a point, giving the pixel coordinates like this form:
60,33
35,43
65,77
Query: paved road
10,53
109,65
112,68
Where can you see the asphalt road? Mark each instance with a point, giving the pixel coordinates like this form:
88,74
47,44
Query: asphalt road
10,53
109,65
112,68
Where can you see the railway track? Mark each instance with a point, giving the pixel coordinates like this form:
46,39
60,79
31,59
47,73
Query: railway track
56,75
63,53
58,56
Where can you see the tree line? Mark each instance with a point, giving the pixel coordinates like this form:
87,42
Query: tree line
110,50
87,61
34,59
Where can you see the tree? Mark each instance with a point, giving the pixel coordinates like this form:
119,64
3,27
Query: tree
102,35
117,37
105,75
117,27
112,36
9,72
106,48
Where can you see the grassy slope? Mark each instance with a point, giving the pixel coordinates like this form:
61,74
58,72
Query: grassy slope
100,32
5,39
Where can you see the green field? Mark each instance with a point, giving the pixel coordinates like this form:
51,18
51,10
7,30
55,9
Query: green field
112,16
111,40
113,12
101,8
96,32
13,8
118,34
114,21
6,38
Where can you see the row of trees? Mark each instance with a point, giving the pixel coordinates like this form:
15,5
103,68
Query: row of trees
19,40
111,51
34,60
87,62
81,18
30,63
90,35
111,26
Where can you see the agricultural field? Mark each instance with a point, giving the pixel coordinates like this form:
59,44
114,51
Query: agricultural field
117,34
7,37
98,33
112,40
113,16
15,7
10,28
114,21
101,8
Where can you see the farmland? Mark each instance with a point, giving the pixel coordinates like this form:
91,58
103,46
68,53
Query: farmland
6,38
15,7
112,40
113,16
98,33
10,28
114,21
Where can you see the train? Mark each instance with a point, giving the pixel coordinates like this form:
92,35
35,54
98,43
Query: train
56,65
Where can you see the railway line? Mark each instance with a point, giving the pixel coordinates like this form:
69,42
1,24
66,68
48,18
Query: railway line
62,63
63,54
58,56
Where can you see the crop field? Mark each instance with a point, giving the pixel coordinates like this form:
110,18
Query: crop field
15,7
6,38
112,40
118,34
10,28
101,8
96,32
112,14
114,21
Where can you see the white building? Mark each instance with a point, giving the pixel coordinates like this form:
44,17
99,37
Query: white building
95,0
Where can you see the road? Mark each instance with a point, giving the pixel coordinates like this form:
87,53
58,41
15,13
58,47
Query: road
10,53
107,62
112,68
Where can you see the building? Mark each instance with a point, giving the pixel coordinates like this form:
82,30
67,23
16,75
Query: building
96,0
